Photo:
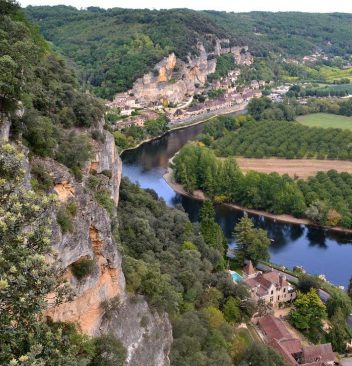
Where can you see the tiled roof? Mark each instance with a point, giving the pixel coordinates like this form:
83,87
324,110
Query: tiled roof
320,352
274,328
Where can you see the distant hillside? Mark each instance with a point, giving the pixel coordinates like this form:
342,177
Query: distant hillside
112,48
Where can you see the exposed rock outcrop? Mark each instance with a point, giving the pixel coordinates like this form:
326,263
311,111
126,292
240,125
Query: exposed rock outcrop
4,127
146,335
173,79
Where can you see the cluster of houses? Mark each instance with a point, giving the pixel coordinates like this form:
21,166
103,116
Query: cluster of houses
231,98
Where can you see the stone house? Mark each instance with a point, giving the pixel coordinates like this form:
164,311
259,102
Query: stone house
272,287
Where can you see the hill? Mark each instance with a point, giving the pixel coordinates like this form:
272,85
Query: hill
112,48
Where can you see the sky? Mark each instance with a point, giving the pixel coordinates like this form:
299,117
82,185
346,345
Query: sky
321,6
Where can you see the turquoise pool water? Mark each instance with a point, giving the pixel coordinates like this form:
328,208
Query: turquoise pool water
236,277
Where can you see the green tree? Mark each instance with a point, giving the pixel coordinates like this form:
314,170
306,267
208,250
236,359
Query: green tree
349,290
338,335
232,312
308,314
211,231
251,243
258,354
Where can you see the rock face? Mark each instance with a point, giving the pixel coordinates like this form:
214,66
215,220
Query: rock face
4,127
172,79
91,238
146,335
107,159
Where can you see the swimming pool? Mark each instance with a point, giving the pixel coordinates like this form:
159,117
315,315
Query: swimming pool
236,277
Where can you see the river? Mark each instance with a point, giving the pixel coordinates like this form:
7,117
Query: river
319,251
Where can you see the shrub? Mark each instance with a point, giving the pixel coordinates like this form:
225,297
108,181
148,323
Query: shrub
109,352
107,173
71,207
42,181
104,200
82,268
64,219
98,136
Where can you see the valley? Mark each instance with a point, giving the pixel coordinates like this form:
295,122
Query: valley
175,187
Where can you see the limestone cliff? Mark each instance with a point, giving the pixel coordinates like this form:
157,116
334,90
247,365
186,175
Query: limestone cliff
92,238
173,79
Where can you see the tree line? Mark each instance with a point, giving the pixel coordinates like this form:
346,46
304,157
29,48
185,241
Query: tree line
324,198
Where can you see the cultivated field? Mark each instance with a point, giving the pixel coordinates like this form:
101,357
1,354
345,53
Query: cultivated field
326,120
303,168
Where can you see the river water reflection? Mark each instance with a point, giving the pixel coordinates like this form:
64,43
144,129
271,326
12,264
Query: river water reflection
317,250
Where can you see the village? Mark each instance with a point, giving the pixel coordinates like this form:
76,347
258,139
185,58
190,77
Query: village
199,99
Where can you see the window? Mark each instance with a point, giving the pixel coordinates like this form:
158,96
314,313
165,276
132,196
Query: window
271,299
272,291
284,289
278,297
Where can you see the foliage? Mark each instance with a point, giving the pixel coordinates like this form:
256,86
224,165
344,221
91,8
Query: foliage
64,219
167,259
82,268
25,339
308,313
114,47
285,140
109,352
224,64
157,126
251,243
338,334
258,354
211,231
41,180
46,88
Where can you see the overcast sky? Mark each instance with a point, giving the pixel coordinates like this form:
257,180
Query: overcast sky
228,5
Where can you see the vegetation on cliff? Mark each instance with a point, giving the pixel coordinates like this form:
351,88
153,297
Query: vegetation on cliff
42,95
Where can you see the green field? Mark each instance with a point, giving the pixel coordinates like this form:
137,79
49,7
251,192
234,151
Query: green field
326,120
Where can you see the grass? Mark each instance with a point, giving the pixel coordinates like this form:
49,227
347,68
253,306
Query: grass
326,120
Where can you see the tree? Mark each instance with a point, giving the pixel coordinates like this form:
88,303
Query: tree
251,243
349,290
338,335
211,231
109,352
308,314
232,311
259,354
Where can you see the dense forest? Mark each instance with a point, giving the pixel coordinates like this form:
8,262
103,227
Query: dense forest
179,267
325,198
111,48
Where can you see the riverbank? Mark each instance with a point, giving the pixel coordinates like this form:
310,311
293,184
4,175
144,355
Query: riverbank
181,126
284,218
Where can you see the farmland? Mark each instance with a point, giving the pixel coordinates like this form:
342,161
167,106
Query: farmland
326,120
